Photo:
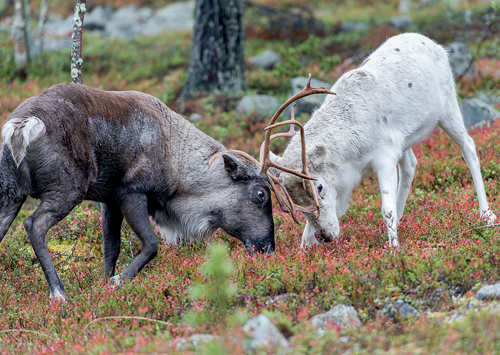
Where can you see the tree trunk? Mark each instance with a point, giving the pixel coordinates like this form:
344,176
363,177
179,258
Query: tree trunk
18,34
41,25
28,34
217,58
76,48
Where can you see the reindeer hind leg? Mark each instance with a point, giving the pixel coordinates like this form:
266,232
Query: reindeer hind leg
454,127
407,165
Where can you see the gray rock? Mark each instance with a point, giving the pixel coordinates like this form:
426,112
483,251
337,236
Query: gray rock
401,22
405,310
493,100
127,22
195,117
53,44
460,58
308,103
261,106
345,316
348,26
401,308
488,292
266,60
476,111
262,333
284,298
178,16
59,28
97,18
193,341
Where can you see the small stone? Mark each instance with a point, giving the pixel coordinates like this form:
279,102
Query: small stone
259,106
178,16
97,18
308,103
344,340
59,28
193,341
488,292
348,26
460,58
266,60
493,100
127,22
405,310
262,333
401,308
475,111
53,44
281,299
199,339
345,316
194,117
401,22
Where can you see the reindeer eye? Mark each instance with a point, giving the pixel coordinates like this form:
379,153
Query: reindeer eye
259,196
320,188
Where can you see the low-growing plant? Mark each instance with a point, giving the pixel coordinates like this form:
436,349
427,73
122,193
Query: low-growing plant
214,291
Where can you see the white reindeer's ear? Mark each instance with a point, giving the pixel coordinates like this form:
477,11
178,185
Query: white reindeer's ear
276,159
234,167
316,156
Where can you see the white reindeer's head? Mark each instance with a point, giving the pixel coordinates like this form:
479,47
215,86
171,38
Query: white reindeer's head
323,225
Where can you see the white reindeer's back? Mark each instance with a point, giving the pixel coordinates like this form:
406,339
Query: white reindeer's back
396,98
380,110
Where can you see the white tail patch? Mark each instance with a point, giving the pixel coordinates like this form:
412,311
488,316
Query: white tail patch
18,133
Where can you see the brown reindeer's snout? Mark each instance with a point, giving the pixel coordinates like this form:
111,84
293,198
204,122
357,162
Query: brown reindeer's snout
261,247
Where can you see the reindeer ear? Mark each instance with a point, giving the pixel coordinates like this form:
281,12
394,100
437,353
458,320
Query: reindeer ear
275,158
234,167
316,156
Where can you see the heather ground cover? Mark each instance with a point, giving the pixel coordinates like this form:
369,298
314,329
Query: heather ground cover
446,254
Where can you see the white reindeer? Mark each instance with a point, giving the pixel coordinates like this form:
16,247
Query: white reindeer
394,100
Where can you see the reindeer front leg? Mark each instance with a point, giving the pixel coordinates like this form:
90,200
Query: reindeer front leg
308,237
135,210
388,182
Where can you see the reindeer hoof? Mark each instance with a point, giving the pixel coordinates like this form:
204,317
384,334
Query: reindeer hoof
116,280
57,295
488,217
394,244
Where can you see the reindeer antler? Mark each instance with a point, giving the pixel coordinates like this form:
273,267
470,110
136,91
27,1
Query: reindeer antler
283,197
266,162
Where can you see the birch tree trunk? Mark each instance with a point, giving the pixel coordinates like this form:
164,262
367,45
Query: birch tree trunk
28,35
217,58
41,25
76,48
18,33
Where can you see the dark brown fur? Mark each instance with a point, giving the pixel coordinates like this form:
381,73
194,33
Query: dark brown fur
135,156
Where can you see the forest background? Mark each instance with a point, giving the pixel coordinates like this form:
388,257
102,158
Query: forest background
198,298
